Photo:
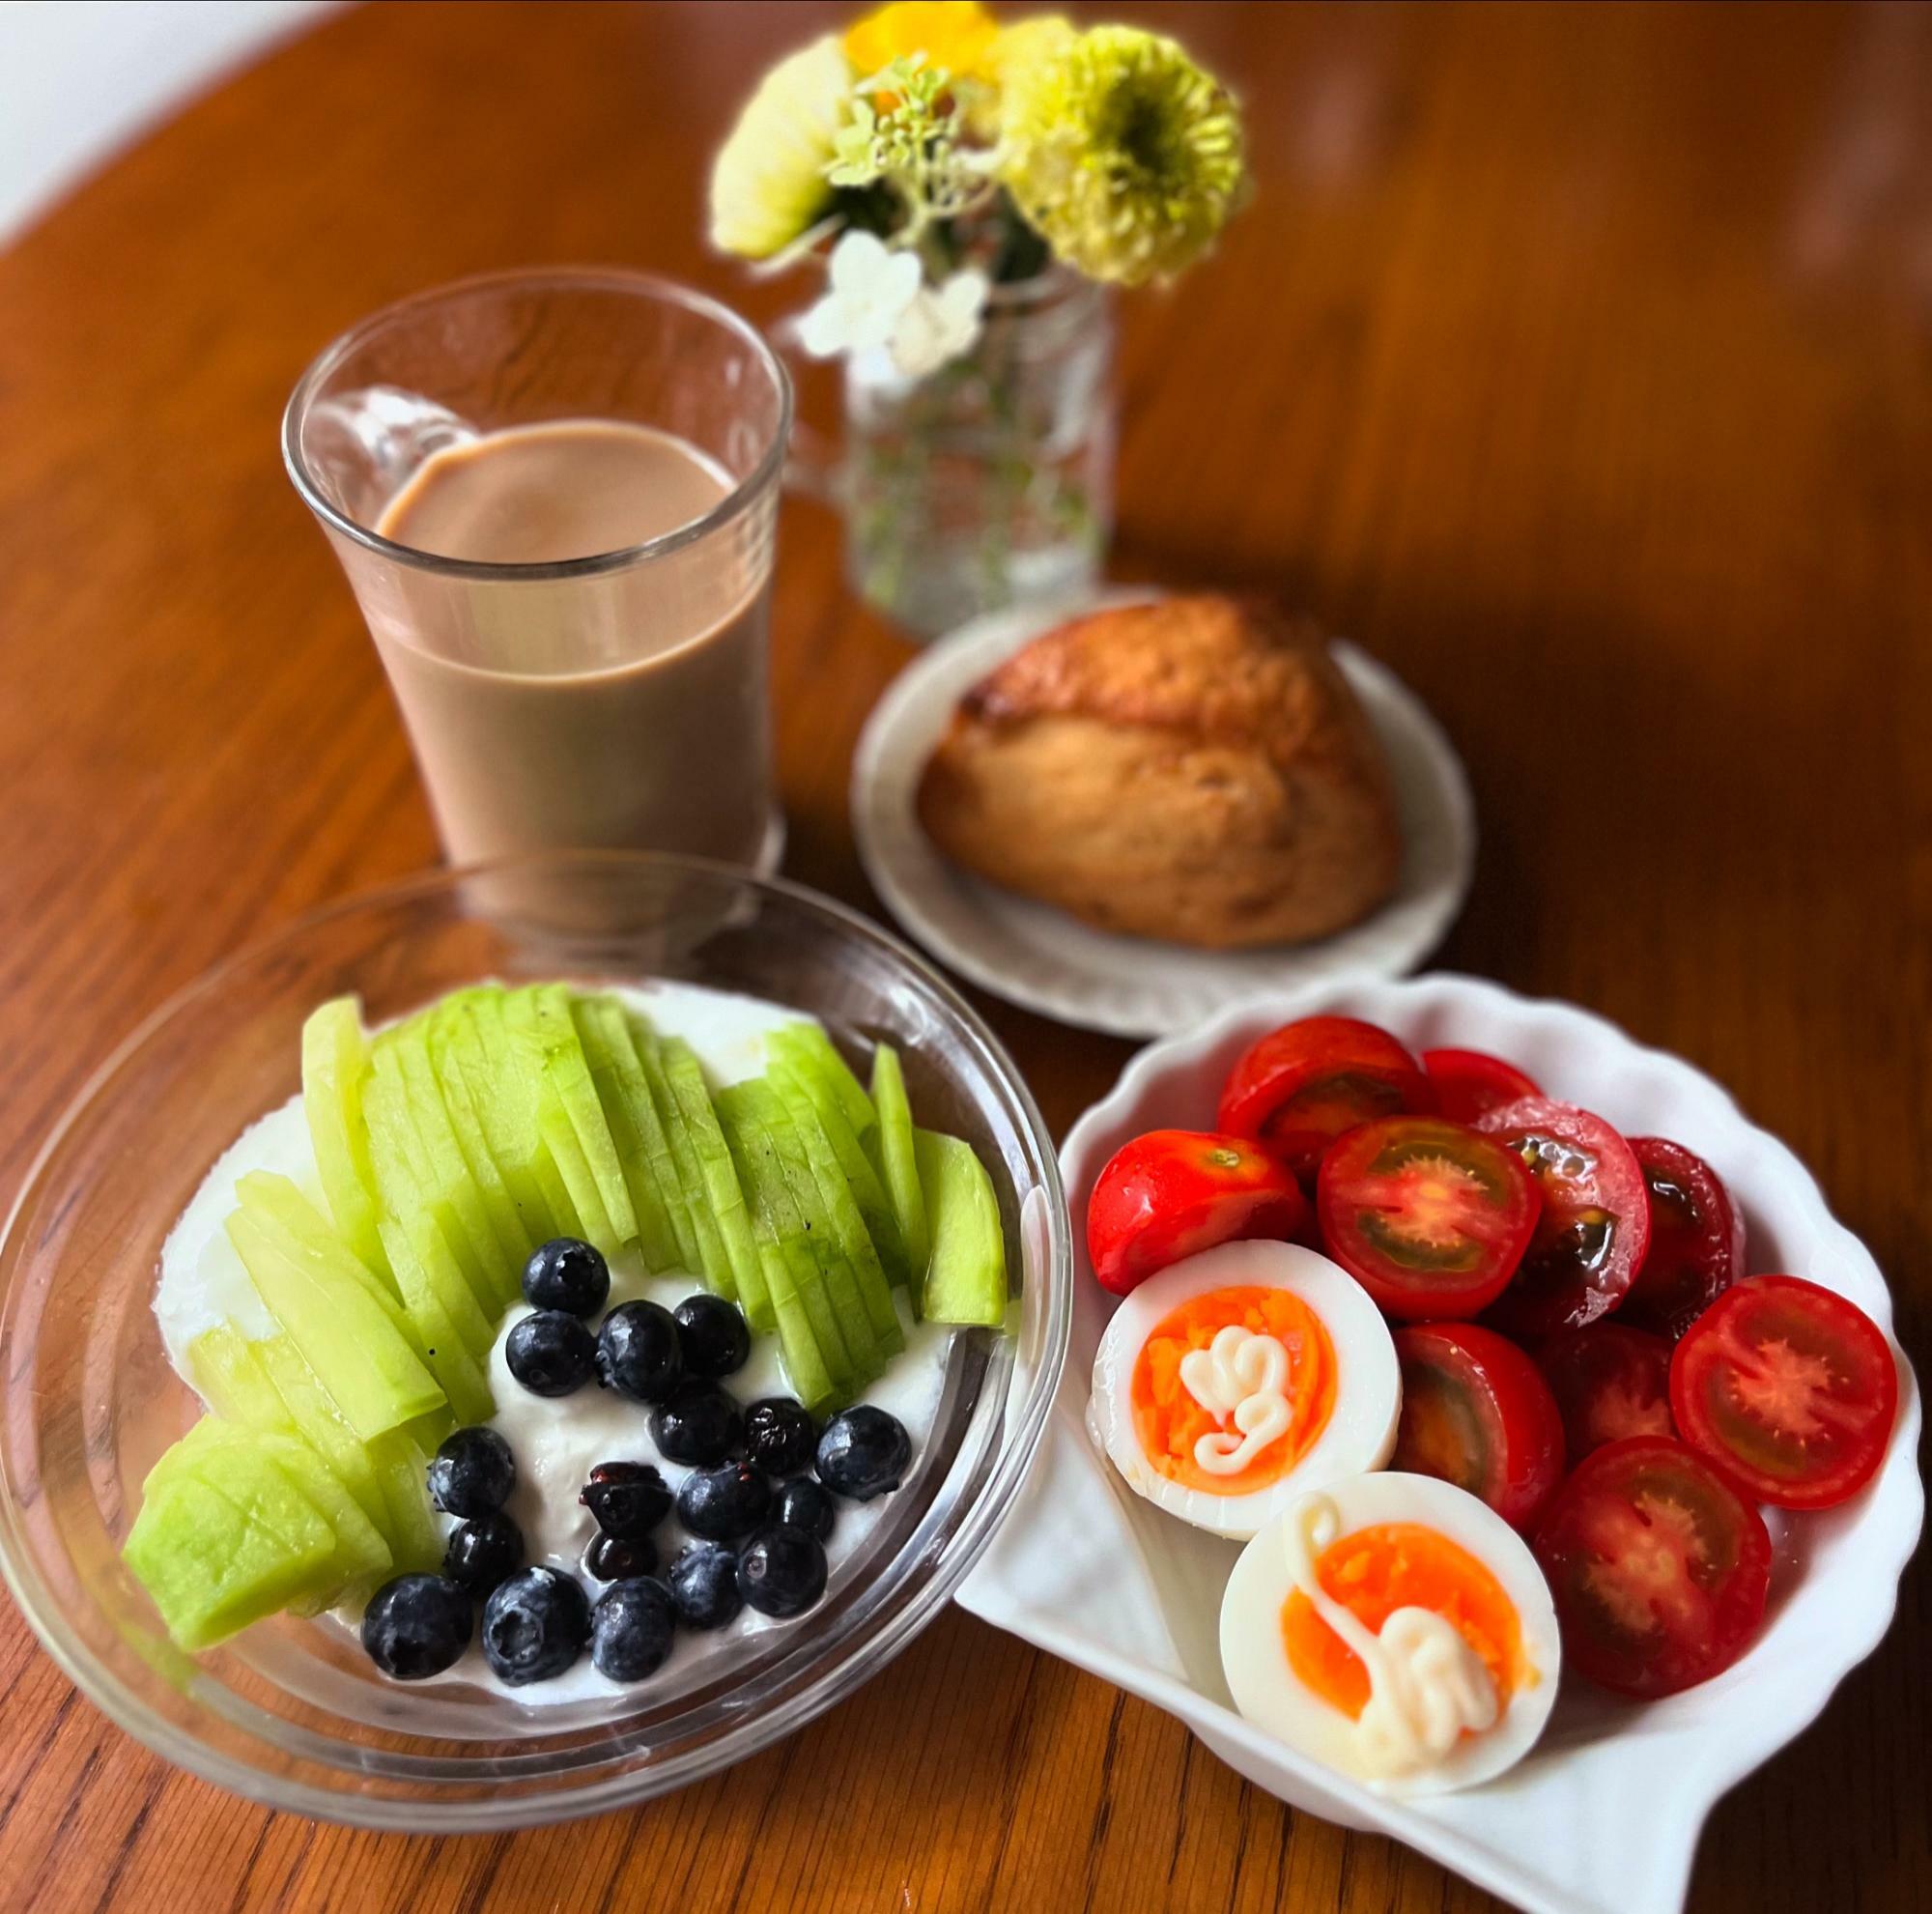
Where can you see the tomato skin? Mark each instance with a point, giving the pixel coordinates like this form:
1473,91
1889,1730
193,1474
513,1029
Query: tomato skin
1611,1382
1300,1087
1472,1083
1659,1568
1789,1389
1595,1224
1696,1240
1174,1193
1431,1218
1477,1413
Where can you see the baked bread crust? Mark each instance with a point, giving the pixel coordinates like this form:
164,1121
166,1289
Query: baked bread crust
1196,769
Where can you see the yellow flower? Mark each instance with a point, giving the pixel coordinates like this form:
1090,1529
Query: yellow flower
768,183
1023,45
953,34
1125,154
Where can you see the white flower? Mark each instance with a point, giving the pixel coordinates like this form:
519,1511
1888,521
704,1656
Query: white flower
768,184
940,323
872,287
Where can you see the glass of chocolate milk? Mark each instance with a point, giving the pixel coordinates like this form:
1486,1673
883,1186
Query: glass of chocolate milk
554,494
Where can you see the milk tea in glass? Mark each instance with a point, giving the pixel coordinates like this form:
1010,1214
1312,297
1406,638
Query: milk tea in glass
555,496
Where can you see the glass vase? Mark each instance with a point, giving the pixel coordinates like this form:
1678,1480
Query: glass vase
990,482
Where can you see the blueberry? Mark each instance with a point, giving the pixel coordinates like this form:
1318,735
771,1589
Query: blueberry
782,1572
618,1558
482,1551
472,1473
567,1274
630,1629
704,1585
724,1502
712,1336
779,1435
416,1626
804,1504
863,1453
638,1351
550,1352
698,1425
535,1625
626,1498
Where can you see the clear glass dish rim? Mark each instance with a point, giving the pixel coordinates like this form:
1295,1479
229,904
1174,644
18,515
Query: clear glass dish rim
422,1811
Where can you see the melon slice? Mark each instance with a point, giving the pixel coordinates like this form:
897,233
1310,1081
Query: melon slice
966,1278
334,1062
899,1166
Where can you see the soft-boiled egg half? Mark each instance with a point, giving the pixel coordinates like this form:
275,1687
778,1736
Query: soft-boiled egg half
1396,1628
1233,1382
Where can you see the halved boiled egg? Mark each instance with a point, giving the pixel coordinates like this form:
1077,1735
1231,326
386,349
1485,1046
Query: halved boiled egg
1396,1628
1230,1383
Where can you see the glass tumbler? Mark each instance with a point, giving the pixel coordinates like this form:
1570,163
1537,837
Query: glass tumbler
613,702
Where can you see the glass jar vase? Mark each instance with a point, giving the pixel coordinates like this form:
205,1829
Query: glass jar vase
990,481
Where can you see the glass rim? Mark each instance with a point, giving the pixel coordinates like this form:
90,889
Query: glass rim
903,1606
650,286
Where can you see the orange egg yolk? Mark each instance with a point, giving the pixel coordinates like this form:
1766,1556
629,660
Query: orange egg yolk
1393,1565
1168,1420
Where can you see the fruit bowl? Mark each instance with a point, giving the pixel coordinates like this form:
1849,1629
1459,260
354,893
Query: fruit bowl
1603,1818
291,1713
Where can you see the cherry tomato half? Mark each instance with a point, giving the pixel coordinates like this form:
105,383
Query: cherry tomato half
1659,1568
1594,1222
1428,1218
1472,1083
1789,1389
1696,1240
1611,1382
1301,1086
1476,1411
1173,1192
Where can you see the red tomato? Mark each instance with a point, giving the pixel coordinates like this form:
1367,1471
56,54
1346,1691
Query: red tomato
1611,1382
1301,1086
1789,1389
1472,1083
1594,1222
1659,1568
1173,1192
1476,1413
1696,1240
1428,1218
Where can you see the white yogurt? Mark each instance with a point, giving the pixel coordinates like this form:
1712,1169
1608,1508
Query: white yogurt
557,1440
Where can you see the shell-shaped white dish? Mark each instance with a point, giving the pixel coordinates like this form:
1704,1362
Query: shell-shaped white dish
1041,958
1603,1816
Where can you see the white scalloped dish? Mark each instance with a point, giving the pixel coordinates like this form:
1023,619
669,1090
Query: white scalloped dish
1603,1817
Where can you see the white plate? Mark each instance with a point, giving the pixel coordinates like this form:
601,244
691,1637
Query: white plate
1040,958
1603,1817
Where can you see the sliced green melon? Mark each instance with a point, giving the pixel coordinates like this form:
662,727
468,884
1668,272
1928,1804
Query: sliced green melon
462,1066
211,1568
898,1164
306,1408
882,1223
808,1050
713,1265
481,1203
334,1062
626,1042
798,1341
228,1376
966,1278
725,1197
849,1226
524,1058
401,1469
363,1361
568,1072
657,1238
749,1106
445,1352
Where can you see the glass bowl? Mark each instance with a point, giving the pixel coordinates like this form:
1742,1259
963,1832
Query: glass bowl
293,1714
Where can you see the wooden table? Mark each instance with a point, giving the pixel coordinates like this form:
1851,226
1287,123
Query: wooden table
1577,362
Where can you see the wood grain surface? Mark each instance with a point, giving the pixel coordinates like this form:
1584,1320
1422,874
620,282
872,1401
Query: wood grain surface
1579,363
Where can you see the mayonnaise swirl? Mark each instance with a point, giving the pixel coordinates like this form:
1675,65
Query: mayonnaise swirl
1427,1686
1241,1377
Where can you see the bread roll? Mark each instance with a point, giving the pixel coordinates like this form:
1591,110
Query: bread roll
1194,769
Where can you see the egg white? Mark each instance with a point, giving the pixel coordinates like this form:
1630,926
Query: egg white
1368,1380
1265,1689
